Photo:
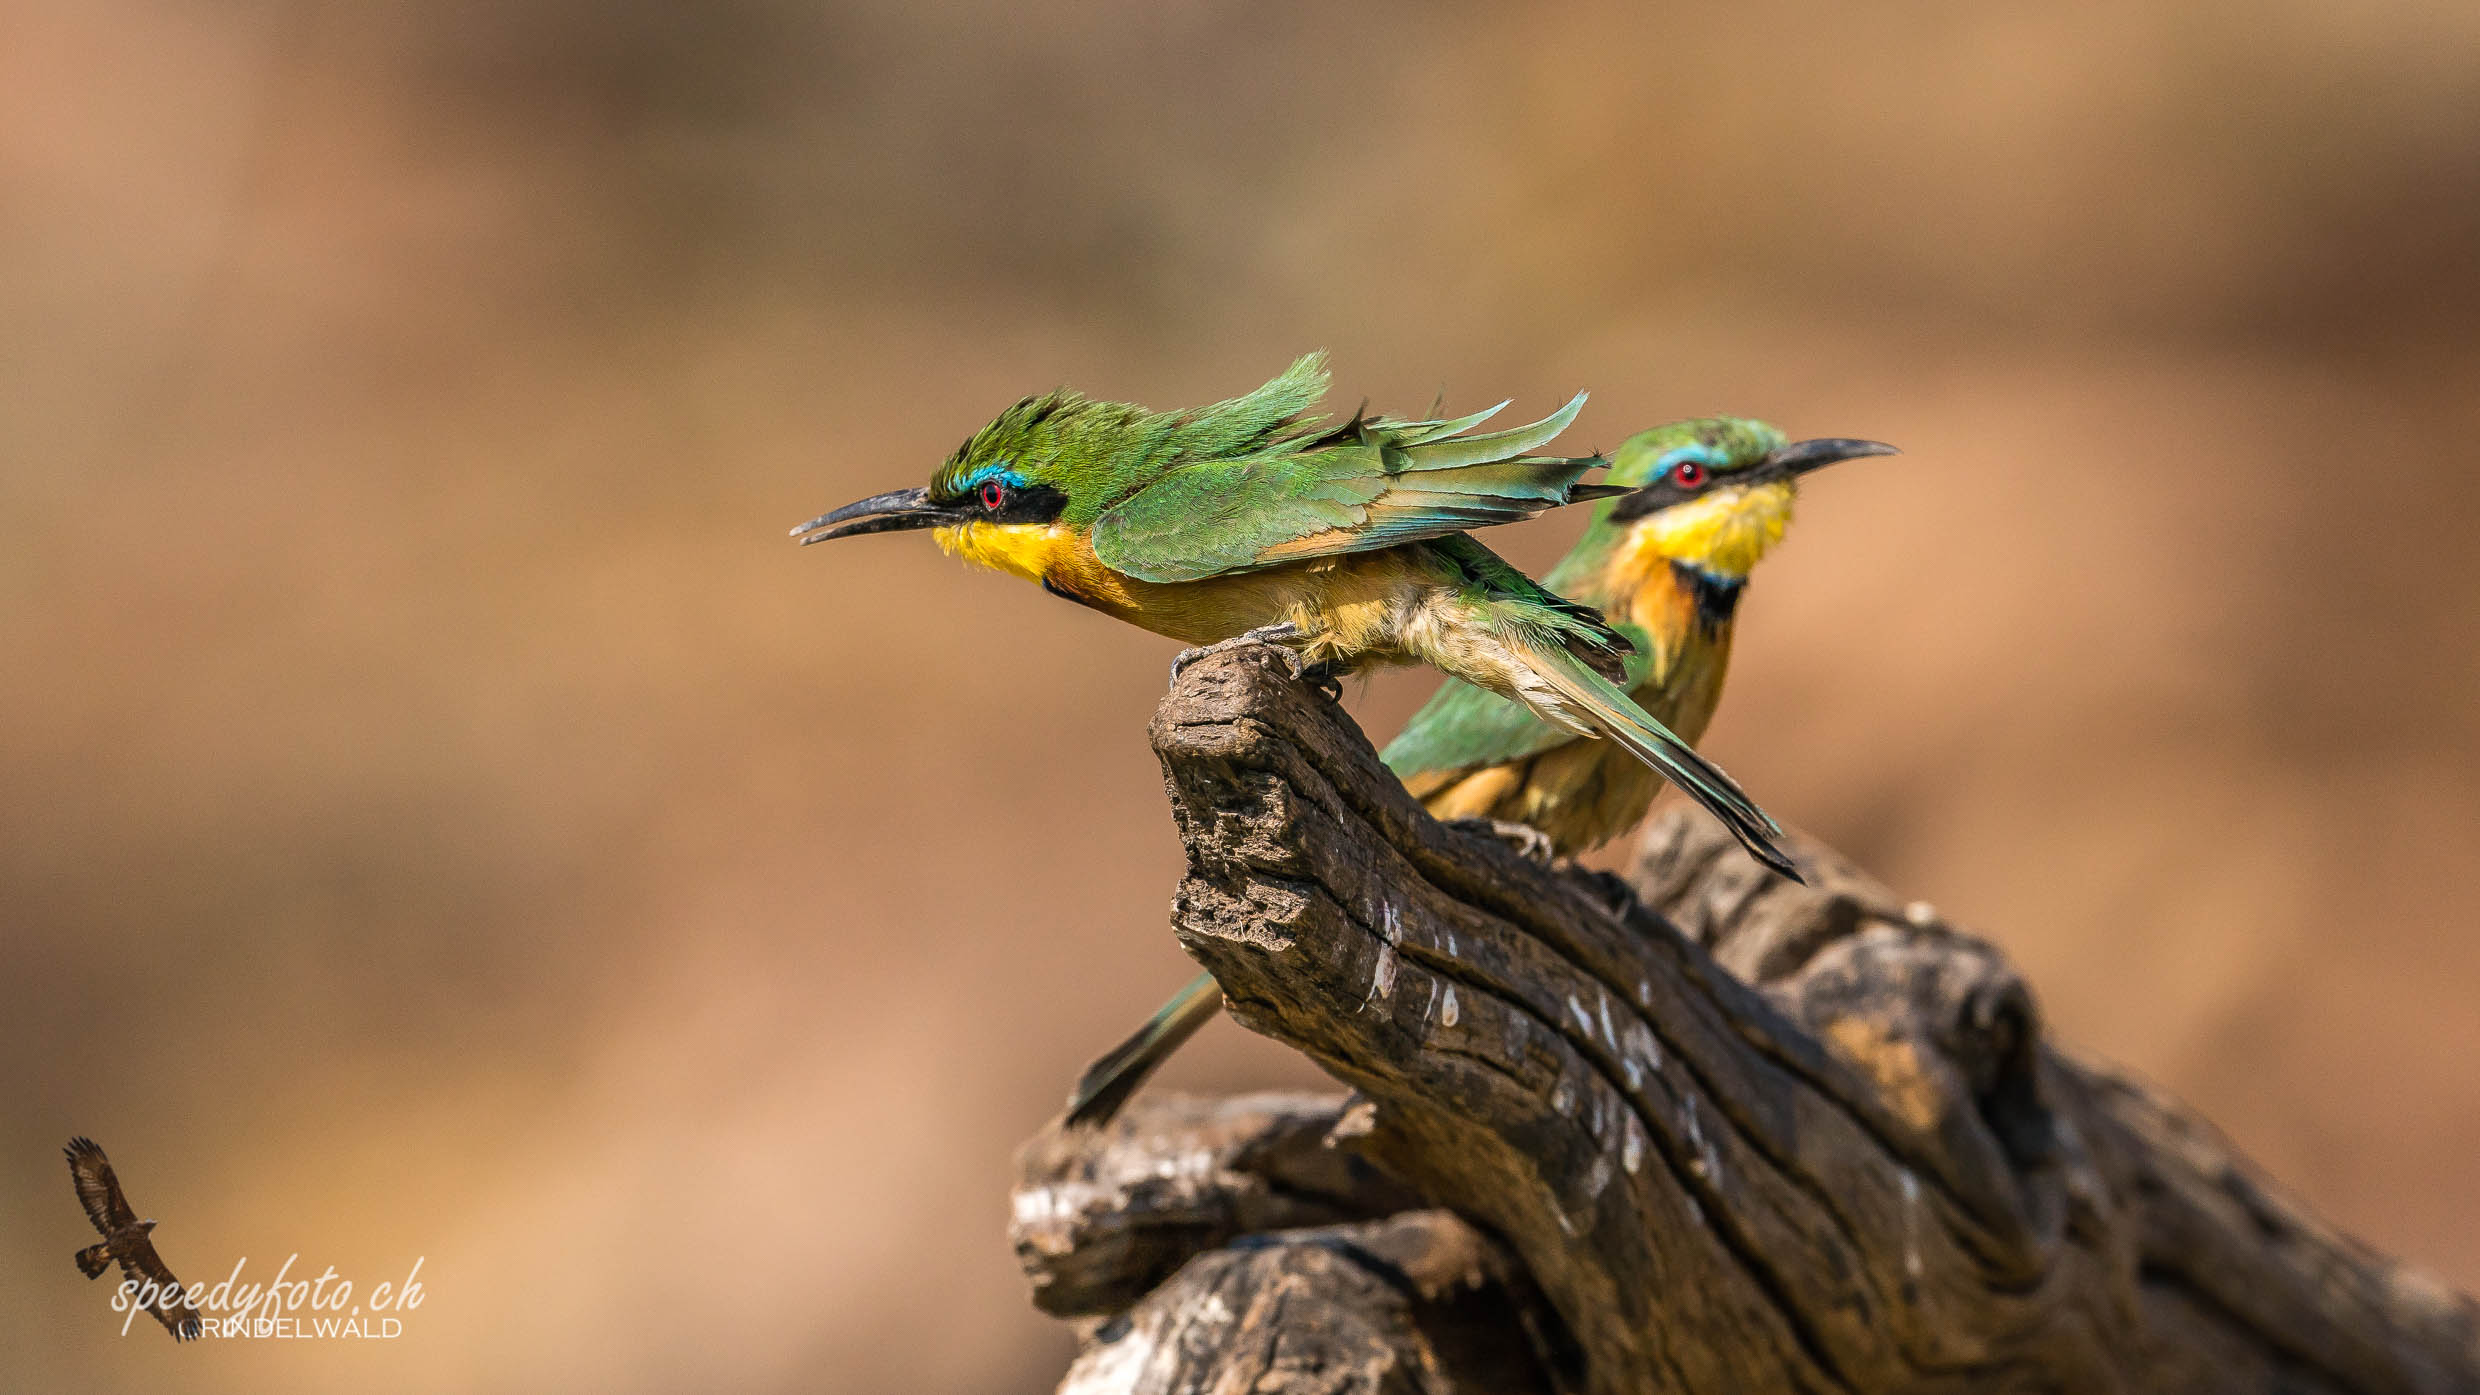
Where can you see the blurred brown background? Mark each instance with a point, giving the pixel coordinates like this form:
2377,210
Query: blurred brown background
445,817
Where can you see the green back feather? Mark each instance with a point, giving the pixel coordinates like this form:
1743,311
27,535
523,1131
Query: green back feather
1462,726
1255,481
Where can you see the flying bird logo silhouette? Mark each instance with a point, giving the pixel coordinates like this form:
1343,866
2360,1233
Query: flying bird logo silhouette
125,1239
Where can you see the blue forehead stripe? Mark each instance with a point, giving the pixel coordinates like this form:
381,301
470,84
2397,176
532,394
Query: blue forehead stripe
1699,452
1000,470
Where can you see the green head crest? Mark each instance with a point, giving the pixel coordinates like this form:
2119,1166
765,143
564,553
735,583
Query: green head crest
1090,452
1717,445
1048,443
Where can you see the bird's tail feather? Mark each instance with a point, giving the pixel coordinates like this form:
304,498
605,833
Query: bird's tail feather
94,1259
1614,715
1108,1082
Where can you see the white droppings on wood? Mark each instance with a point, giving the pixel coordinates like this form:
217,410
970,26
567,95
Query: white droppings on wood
1632,1147
1429,1009
1705,1163
1635,1072
1563,1099
1066,1200
1036,1205
1584,1019
1450,944
1448,1012
1390,934
1911,1223
1644,992
1382,980
1642,1046
1609,1037
1597,1178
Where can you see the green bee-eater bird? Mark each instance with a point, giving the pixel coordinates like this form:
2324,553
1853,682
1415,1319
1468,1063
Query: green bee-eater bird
1666,564
1250,520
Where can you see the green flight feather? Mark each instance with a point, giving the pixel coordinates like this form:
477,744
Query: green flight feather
1259,495
1416,432
1531,606
1434,451
1462,726
1617,718
1577,651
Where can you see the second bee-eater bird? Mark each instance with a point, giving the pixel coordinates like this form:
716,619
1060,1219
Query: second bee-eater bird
1251,520
1667,563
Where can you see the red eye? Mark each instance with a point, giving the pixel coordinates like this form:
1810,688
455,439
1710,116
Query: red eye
1687,474
993,495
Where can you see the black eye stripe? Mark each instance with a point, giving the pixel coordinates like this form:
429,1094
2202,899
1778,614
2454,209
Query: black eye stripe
1029,503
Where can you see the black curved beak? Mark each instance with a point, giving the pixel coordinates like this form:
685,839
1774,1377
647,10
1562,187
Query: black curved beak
898,512
1800,457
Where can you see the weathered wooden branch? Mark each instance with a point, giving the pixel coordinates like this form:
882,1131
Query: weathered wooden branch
1704,1129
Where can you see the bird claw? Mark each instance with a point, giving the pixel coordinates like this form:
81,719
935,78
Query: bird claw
1529,842
1270,636
1325,679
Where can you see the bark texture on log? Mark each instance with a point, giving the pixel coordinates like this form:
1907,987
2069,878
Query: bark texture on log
1417,1304
1712,1130
1104,1216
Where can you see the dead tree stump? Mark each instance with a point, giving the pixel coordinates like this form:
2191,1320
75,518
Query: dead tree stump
1697,1129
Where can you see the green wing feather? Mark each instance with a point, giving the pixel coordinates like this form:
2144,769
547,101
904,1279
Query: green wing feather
1560,641
1617,718
1368,484
1462,726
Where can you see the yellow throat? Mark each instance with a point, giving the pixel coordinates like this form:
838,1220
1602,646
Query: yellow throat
1727,532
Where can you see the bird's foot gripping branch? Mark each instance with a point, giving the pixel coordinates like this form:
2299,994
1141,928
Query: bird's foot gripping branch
1693,1129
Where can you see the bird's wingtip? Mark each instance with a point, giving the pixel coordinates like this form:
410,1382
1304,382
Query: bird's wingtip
1772,855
